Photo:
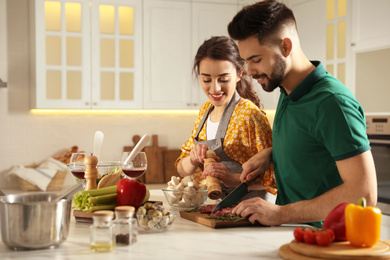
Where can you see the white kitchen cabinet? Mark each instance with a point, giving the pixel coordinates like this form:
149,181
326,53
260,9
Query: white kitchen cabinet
371,23
117,54
87,54
167,54
173,32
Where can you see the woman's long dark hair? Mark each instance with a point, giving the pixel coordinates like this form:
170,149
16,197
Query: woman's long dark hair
224,48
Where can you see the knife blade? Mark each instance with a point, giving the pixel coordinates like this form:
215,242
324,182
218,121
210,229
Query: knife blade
233,197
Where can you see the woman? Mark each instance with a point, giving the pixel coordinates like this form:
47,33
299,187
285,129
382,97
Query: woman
230,123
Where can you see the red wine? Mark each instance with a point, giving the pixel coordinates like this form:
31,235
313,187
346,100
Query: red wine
78,174
134,173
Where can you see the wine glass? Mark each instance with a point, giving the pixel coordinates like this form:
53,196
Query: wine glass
135,168
77,166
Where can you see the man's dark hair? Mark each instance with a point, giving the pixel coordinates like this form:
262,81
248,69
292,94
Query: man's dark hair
262,20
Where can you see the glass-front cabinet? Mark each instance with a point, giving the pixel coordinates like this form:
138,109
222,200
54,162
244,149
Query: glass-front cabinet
87,54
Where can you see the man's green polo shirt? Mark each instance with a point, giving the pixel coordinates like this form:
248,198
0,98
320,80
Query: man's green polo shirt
320,122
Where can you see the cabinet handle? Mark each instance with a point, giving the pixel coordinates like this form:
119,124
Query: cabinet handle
87,103
195,104
95,103
188,104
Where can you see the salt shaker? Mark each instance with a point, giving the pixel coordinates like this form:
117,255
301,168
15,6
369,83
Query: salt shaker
125,226
102,235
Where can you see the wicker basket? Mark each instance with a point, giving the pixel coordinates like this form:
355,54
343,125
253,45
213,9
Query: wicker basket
56,183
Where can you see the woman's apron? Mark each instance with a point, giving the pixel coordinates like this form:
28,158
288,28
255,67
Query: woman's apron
217,146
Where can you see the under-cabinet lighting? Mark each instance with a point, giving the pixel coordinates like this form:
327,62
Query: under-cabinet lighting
123,111
114,111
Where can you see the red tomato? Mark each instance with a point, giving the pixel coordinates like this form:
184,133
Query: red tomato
331,233
324,237
309,236
298,234
130,193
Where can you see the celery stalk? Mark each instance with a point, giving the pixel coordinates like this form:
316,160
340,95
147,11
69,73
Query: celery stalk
97,199
102,207
98,192
102,199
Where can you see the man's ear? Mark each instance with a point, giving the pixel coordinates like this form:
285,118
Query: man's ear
286,46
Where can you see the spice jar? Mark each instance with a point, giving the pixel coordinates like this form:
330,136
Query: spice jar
102,235
125,226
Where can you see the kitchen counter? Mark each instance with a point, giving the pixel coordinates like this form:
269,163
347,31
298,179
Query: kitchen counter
183,240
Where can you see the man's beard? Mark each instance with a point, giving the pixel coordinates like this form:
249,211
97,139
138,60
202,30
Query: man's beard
277,75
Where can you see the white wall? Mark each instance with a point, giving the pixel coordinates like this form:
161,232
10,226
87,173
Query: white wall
372,80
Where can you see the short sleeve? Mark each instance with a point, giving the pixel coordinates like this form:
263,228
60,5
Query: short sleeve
341,126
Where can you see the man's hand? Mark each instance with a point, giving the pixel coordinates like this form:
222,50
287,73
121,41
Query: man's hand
257,165
260,210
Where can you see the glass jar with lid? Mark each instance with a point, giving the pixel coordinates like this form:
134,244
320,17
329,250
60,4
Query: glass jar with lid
125,226
102,235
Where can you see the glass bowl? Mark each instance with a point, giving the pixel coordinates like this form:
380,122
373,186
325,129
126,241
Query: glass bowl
104,168
185,200
108,167
154,218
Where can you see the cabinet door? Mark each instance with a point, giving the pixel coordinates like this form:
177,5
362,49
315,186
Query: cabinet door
371,22
62,54
208,19
167,54
116,54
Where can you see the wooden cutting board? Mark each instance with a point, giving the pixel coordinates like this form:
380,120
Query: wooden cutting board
169,157
200,218
155,170
338,250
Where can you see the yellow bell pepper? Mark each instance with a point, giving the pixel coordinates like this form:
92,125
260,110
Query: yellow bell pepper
362,224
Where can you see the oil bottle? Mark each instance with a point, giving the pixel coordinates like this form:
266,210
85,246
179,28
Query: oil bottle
102,233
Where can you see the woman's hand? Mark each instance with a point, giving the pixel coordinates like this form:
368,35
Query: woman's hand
198,154
220,171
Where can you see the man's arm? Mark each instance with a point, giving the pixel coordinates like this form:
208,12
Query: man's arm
359,180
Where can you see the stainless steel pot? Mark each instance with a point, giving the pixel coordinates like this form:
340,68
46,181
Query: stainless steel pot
34,220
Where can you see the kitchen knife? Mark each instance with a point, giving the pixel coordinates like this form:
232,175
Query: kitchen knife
233,197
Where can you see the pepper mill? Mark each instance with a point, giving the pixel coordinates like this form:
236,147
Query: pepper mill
214,190
91,172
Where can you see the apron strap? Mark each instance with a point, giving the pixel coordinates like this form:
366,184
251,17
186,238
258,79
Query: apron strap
200,126
227,114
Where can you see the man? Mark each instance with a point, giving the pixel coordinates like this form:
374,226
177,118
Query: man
320,150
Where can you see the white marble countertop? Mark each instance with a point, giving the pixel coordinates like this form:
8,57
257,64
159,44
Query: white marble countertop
184,240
